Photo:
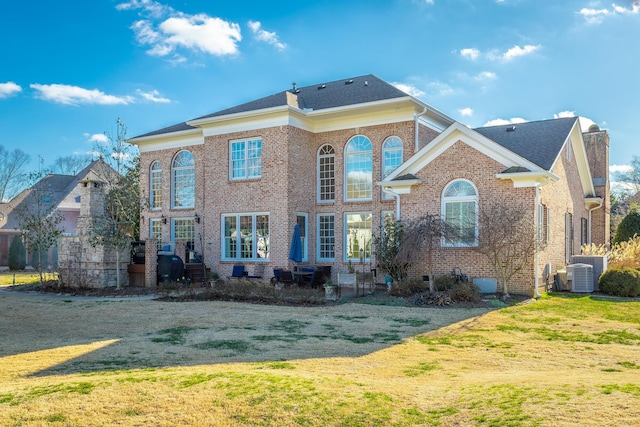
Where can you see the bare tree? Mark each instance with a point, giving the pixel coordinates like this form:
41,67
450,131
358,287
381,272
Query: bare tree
424,235
386,248
119,225
71,165
39,222
631,177
11,165
508,238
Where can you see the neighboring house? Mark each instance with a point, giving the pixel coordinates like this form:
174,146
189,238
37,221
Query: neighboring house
61,192
339,157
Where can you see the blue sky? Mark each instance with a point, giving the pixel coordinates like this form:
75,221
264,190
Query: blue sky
69,69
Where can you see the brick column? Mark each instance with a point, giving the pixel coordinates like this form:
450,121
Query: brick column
151,263
181,250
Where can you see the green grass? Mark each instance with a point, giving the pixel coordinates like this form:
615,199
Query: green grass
18,278
173,336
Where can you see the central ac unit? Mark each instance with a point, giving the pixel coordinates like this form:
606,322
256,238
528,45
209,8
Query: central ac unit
581,277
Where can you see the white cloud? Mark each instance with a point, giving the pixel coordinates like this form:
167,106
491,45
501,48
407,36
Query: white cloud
9,89
585,122
201,32
485,76
411,90
517,51
620,168
470,53
466,112
99,138
596,16
153,96
74,95
500,122
635,8
152,8
165,30
266,36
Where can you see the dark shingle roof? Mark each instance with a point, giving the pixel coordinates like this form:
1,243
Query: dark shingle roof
339,93
539,142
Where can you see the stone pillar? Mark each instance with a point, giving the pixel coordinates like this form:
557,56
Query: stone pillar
151,263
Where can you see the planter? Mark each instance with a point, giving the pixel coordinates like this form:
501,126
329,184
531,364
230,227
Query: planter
331,293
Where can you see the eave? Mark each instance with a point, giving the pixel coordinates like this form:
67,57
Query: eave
528,179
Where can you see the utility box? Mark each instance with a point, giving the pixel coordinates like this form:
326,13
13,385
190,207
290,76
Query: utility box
598,262
487,285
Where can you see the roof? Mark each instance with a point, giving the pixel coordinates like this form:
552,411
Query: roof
539,142
321,96
54,187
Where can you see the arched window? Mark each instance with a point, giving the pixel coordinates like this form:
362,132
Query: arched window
460,212
183,181
391,158
326,174
155,185
358,160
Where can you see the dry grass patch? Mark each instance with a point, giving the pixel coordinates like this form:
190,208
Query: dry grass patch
556,361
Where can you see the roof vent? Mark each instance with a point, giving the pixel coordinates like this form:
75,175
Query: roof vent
594,128
295,88
348,82
511,128
322,87
366,83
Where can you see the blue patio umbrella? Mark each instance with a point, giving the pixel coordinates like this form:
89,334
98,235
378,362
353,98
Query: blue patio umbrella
295,251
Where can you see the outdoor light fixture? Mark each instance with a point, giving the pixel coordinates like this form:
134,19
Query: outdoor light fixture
197,218
163,219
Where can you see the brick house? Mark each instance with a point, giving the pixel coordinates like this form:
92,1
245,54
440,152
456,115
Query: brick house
335,158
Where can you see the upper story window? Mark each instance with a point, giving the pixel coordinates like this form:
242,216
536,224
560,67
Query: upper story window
326,174
391,158
460,211
155,185
183,181
245,159
358,170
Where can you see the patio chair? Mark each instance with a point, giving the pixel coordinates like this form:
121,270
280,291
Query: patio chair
285,277
238,272
258,272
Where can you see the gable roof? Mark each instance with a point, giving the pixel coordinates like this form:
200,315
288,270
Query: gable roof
57,188
318,97
540,142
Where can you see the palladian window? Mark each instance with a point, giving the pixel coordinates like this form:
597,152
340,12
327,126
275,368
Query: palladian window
358,169
460,212
183,181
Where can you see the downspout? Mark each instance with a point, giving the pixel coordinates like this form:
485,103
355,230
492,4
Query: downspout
397,196
416,142
590,227
537,261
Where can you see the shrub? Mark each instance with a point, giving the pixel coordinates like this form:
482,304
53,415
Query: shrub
408,287
628,227
17,254
622,282
626,253
464,292
445,282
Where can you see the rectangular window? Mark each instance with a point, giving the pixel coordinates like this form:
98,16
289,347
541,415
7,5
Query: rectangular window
302,221
183,229
155,230
326,178
245,159
246,236
326,237
156,188
461,217
584,231
357,236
